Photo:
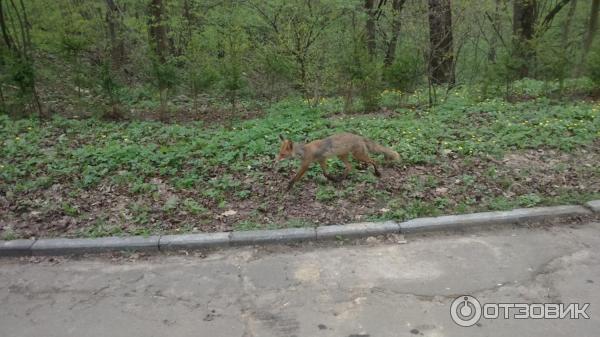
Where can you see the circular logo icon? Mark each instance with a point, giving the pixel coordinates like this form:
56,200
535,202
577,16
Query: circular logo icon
465,310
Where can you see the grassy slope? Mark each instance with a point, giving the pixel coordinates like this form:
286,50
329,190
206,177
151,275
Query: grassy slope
92,178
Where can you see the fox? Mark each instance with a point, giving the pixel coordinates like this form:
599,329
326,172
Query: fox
340,145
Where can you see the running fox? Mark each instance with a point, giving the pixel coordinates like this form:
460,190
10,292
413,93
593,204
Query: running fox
341,145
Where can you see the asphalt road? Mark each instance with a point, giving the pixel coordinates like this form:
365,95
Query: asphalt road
367,288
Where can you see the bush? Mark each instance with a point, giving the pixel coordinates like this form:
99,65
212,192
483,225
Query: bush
370,86
110,90
499,75
593,65
405,73
18,72
359,73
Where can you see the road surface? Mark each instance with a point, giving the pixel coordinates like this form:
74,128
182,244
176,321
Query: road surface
367,288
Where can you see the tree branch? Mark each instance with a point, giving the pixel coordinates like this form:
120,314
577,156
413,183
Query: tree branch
550,16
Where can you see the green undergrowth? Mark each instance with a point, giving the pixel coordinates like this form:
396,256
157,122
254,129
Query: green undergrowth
214,160
83,152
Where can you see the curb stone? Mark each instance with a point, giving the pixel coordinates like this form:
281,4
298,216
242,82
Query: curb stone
16,247
491,218
594,205
99,245
272,236
210,240
357,230
193,241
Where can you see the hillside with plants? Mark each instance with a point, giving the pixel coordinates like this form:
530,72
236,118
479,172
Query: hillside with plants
124,117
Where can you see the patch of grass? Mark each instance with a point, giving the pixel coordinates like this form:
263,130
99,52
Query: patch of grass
402,209
297,223
69,209
326,193
140,212
501,204
171,204
193,207
101,228
145,230
529,200
8,234
247,225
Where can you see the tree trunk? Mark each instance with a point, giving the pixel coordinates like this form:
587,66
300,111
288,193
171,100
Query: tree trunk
369,4
390,54
441,55
4,28
20,47
189,21
592,26
28,52
567,24
117,46
495,20
158,30
160,43
524,17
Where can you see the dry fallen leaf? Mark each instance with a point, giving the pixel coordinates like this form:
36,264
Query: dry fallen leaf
229,213
441,191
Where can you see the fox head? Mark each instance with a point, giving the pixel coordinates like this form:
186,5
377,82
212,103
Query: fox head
286,150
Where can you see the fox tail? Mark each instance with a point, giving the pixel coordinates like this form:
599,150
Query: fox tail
388,153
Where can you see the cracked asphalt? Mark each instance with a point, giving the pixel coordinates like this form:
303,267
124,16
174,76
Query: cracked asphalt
373,287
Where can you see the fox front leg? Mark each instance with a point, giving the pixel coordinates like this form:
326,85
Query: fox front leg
290,184
323,164
298,175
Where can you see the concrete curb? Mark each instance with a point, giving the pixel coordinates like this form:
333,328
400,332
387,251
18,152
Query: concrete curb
491,218
286,235
355,230
16,247
594,205
99,245
193,241
224,239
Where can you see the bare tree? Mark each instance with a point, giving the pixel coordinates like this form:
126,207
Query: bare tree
297,30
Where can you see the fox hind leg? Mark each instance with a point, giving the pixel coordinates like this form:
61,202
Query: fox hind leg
344,159
323,164
361,155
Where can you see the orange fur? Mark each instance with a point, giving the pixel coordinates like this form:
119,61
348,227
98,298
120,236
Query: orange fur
340,145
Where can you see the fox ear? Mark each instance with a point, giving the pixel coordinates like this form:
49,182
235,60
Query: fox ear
281,137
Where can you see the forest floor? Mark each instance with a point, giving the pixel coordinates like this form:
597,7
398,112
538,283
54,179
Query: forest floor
89,178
